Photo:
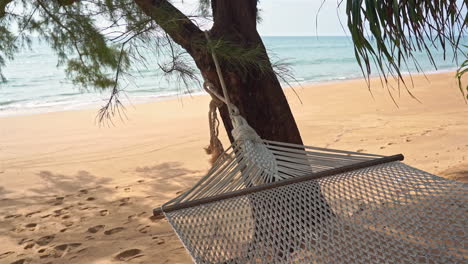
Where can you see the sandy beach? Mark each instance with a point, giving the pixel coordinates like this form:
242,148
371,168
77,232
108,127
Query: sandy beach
72,191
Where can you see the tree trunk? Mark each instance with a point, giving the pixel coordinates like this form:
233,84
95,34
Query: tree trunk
257,93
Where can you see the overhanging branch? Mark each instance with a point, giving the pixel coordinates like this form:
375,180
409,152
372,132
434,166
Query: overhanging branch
177,25
3,4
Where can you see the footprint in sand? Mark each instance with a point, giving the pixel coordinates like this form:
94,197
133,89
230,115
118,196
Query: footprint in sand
155,218
45,240
104,212
58,212
82,250
142,213
24,240
20,261
57,203
12,216
32,213
31,226
131,218
89,238
6,254
62,250
144,230
67,223
30,245
95,229
159,240
57,200
128,254
124,201
113,230
426,132
90,199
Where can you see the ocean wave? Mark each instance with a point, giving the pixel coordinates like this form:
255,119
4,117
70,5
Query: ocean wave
278,49
321,61
10,102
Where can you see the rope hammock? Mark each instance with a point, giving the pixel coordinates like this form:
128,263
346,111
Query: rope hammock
273,202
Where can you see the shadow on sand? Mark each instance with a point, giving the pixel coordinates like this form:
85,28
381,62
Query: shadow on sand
83,218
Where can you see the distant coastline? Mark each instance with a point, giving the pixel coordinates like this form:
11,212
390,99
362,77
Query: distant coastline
129,102
36,85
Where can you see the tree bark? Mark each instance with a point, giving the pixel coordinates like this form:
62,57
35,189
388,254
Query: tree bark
258,94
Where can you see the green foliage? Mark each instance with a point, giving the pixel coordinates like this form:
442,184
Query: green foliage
88,36
178,68
387,33
460,73
7,48
204,7
243,60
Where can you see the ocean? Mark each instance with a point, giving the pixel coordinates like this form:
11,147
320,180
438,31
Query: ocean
36,84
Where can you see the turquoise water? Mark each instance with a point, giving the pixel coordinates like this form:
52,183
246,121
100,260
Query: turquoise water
35,84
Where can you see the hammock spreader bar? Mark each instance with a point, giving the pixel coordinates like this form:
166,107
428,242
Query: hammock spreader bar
311,176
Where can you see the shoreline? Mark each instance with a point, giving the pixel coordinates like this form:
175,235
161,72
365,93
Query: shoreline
137,101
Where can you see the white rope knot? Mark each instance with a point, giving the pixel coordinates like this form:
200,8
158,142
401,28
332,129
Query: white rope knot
215,149
242,131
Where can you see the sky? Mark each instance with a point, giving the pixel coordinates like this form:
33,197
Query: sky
299,18
291,17
295,17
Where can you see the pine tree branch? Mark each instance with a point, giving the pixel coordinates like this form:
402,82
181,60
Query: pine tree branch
3,4
66,2
177,25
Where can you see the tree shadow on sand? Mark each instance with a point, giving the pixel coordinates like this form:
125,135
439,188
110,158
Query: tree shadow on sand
164,170
4,192
54,183
169,179
82,218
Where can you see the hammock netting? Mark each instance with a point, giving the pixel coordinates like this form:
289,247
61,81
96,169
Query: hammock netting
249,209
273,202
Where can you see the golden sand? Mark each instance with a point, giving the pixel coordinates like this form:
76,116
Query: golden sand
74,192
